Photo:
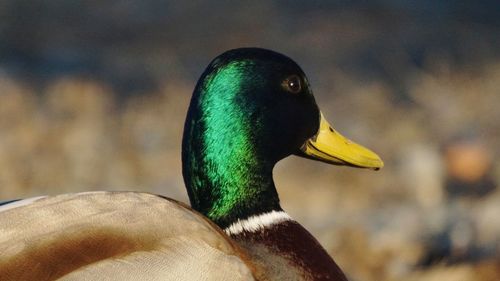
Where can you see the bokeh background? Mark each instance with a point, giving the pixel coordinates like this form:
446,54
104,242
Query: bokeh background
93,96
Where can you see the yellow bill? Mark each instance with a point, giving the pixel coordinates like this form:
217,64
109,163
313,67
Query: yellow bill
330,146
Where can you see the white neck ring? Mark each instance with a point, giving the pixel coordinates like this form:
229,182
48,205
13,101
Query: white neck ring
257,223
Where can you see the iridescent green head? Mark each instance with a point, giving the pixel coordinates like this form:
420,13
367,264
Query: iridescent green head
251,108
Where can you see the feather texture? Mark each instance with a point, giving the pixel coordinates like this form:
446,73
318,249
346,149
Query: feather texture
114,236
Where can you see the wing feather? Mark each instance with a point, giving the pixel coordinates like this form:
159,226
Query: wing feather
114,236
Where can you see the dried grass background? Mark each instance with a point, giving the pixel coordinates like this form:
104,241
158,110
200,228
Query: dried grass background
68,124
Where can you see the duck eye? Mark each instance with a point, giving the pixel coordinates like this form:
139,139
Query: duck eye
292,84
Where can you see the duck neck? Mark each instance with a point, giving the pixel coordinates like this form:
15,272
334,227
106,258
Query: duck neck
229,185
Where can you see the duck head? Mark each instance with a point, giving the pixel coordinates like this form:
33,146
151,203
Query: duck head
250,109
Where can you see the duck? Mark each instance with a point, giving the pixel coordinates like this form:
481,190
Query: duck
250,109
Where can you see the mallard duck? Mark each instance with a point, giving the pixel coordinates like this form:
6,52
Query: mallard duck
251,108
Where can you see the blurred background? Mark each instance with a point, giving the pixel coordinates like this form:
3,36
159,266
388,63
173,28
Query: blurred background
93,96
